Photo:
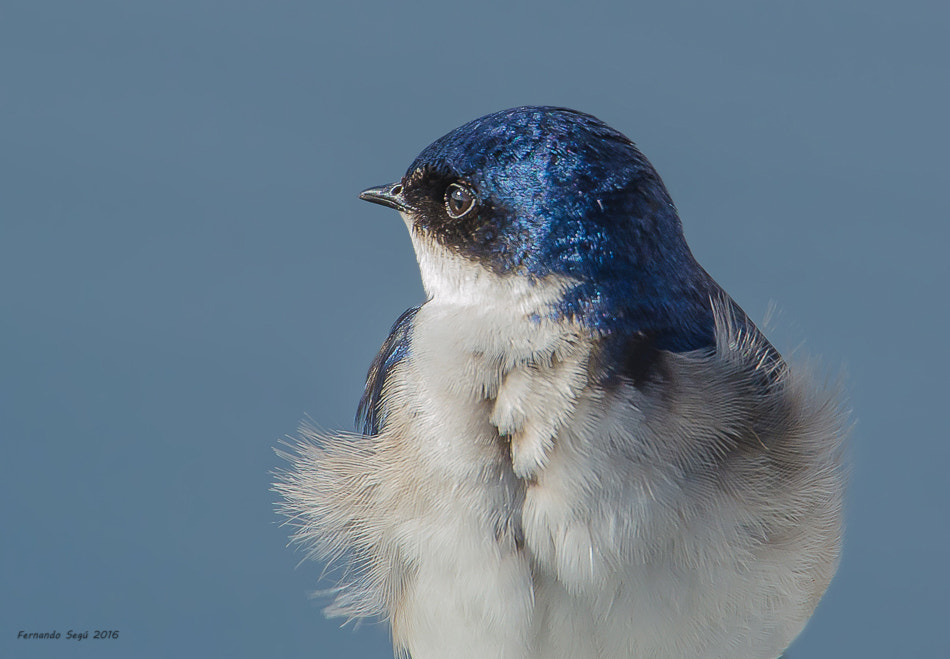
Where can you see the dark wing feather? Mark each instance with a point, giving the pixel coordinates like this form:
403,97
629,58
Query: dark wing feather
370,414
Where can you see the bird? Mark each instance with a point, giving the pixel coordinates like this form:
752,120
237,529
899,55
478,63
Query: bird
578,445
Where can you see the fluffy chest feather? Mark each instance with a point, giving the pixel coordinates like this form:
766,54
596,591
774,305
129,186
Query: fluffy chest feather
513,506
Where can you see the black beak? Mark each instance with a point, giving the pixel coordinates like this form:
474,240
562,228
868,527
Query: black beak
387,195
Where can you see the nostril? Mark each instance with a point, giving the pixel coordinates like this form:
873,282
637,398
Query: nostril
396,189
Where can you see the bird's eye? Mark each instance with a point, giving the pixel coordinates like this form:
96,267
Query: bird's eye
459,200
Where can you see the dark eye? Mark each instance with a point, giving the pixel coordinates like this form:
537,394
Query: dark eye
459,200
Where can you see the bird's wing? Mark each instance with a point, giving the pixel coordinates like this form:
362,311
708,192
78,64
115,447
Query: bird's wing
370,414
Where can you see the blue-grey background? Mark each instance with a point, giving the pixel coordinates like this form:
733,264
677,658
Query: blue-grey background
186,273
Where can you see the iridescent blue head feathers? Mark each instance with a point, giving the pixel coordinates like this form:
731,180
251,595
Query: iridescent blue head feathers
540,191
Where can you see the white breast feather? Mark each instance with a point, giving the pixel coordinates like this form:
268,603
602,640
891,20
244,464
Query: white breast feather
512,508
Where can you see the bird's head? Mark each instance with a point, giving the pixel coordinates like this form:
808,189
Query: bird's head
549,194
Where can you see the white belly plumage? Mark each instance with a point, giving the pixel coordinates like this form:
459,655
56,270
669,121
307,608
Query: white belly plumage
509,507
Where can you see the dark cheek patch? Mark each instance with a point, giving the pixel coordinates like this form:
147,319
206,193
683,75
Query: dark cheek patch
482,237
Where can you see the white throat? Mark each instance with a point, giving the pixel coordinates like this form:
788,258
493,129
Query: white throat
450,279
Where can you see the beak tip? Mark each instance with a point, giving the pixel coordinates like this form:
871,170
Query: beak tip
386,195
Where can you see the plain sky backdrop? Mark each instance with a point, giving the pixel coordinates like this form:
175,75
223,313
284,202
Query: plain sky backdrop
186,273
